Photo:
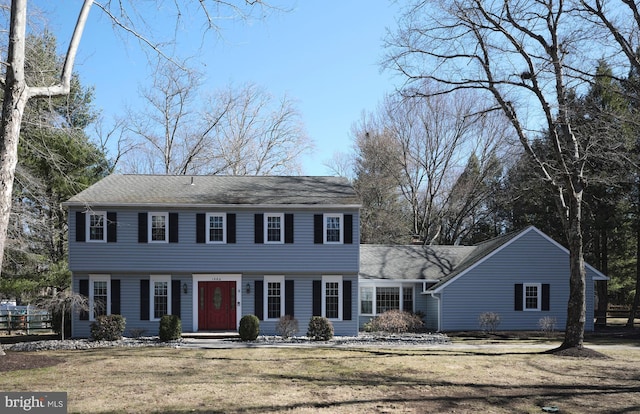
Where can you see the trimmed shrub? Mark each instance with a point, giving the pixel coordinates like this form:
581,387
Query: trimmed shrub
107,328
489,321
249,328
320,329
170,328
395,321
287,326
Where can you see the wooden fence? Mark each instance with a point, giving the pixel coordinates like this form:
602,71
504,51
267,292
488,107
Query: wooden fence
27,320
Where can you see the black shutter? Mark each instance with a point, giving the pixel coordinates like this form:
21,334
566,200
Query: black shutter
84,291
258,226
175,297
142,227
173,227
545,296
317,229
288,228
144,299
518,297
80,227
231,228
348,229
346,300
317,298
259,300
115,297
288,298
112,227
201,228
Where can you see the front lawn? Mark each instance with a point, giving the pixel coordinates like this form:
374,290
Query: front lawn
310,380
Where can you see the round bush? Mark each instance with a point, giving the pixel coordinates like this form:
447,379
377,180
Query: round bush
320,329
249,327
108,328
170,328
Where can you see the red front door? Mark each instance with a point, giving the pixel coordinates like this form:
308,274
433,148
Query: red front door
216,306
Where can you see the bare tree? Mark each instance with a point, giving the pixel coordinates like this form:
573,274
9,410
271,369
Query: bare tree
529,58
17,91
258,134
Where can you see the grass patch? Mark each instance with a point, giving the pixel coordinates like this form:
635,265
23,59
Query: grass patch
306,380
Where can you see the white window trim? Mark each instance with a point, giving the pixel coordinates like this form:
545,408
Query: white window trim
99,278
152,280
524,297
331,279
373,299
88,226
324,228
224,228
272,279
374,307
266,228
150,227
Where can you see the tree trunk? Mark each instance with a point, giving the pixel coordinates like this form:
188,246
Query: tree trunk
15,99
636,296
576,308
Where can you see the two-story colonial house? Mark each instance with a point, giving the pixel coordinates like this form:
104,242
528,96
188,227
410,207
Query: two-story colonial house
211,249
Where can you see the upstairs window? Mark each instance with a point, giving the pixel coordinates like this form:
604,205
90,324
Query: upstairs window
274,228
96,226
158,227
216,228
333,228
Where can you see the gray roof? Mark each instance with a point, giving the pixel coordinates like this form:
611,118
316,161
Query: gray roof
185,190
429,263
410,262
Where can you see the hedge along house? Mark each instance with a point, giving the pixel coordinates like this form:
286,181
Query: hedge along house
522,276
211,249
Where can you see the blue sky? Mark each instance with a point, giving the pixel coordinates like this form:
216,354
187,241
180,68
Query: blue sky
323,54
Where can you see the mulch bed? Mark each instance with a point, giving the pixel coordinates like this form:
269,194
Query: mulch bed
16,361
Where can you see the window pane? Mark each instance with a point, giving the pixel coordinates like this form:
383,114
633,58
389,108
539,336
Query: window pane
160,299
96,227
100,297
366,300
216,227
273,229
333,229
158,228
407,299
387,298
531,297
273,299
332,295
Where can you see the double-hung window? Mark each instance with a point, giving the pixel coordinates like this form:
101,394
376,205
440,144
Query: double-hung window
274,228
158,227
532,296
160,296
99,294
274,296
366,300
333,228
97,226
332,297
216,228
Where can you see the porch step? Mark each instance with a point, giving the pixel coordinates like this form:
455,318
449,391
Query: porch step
211,334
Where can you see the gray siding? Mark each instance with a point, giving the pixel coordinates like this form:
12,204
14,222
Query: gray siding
187,256
489,287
